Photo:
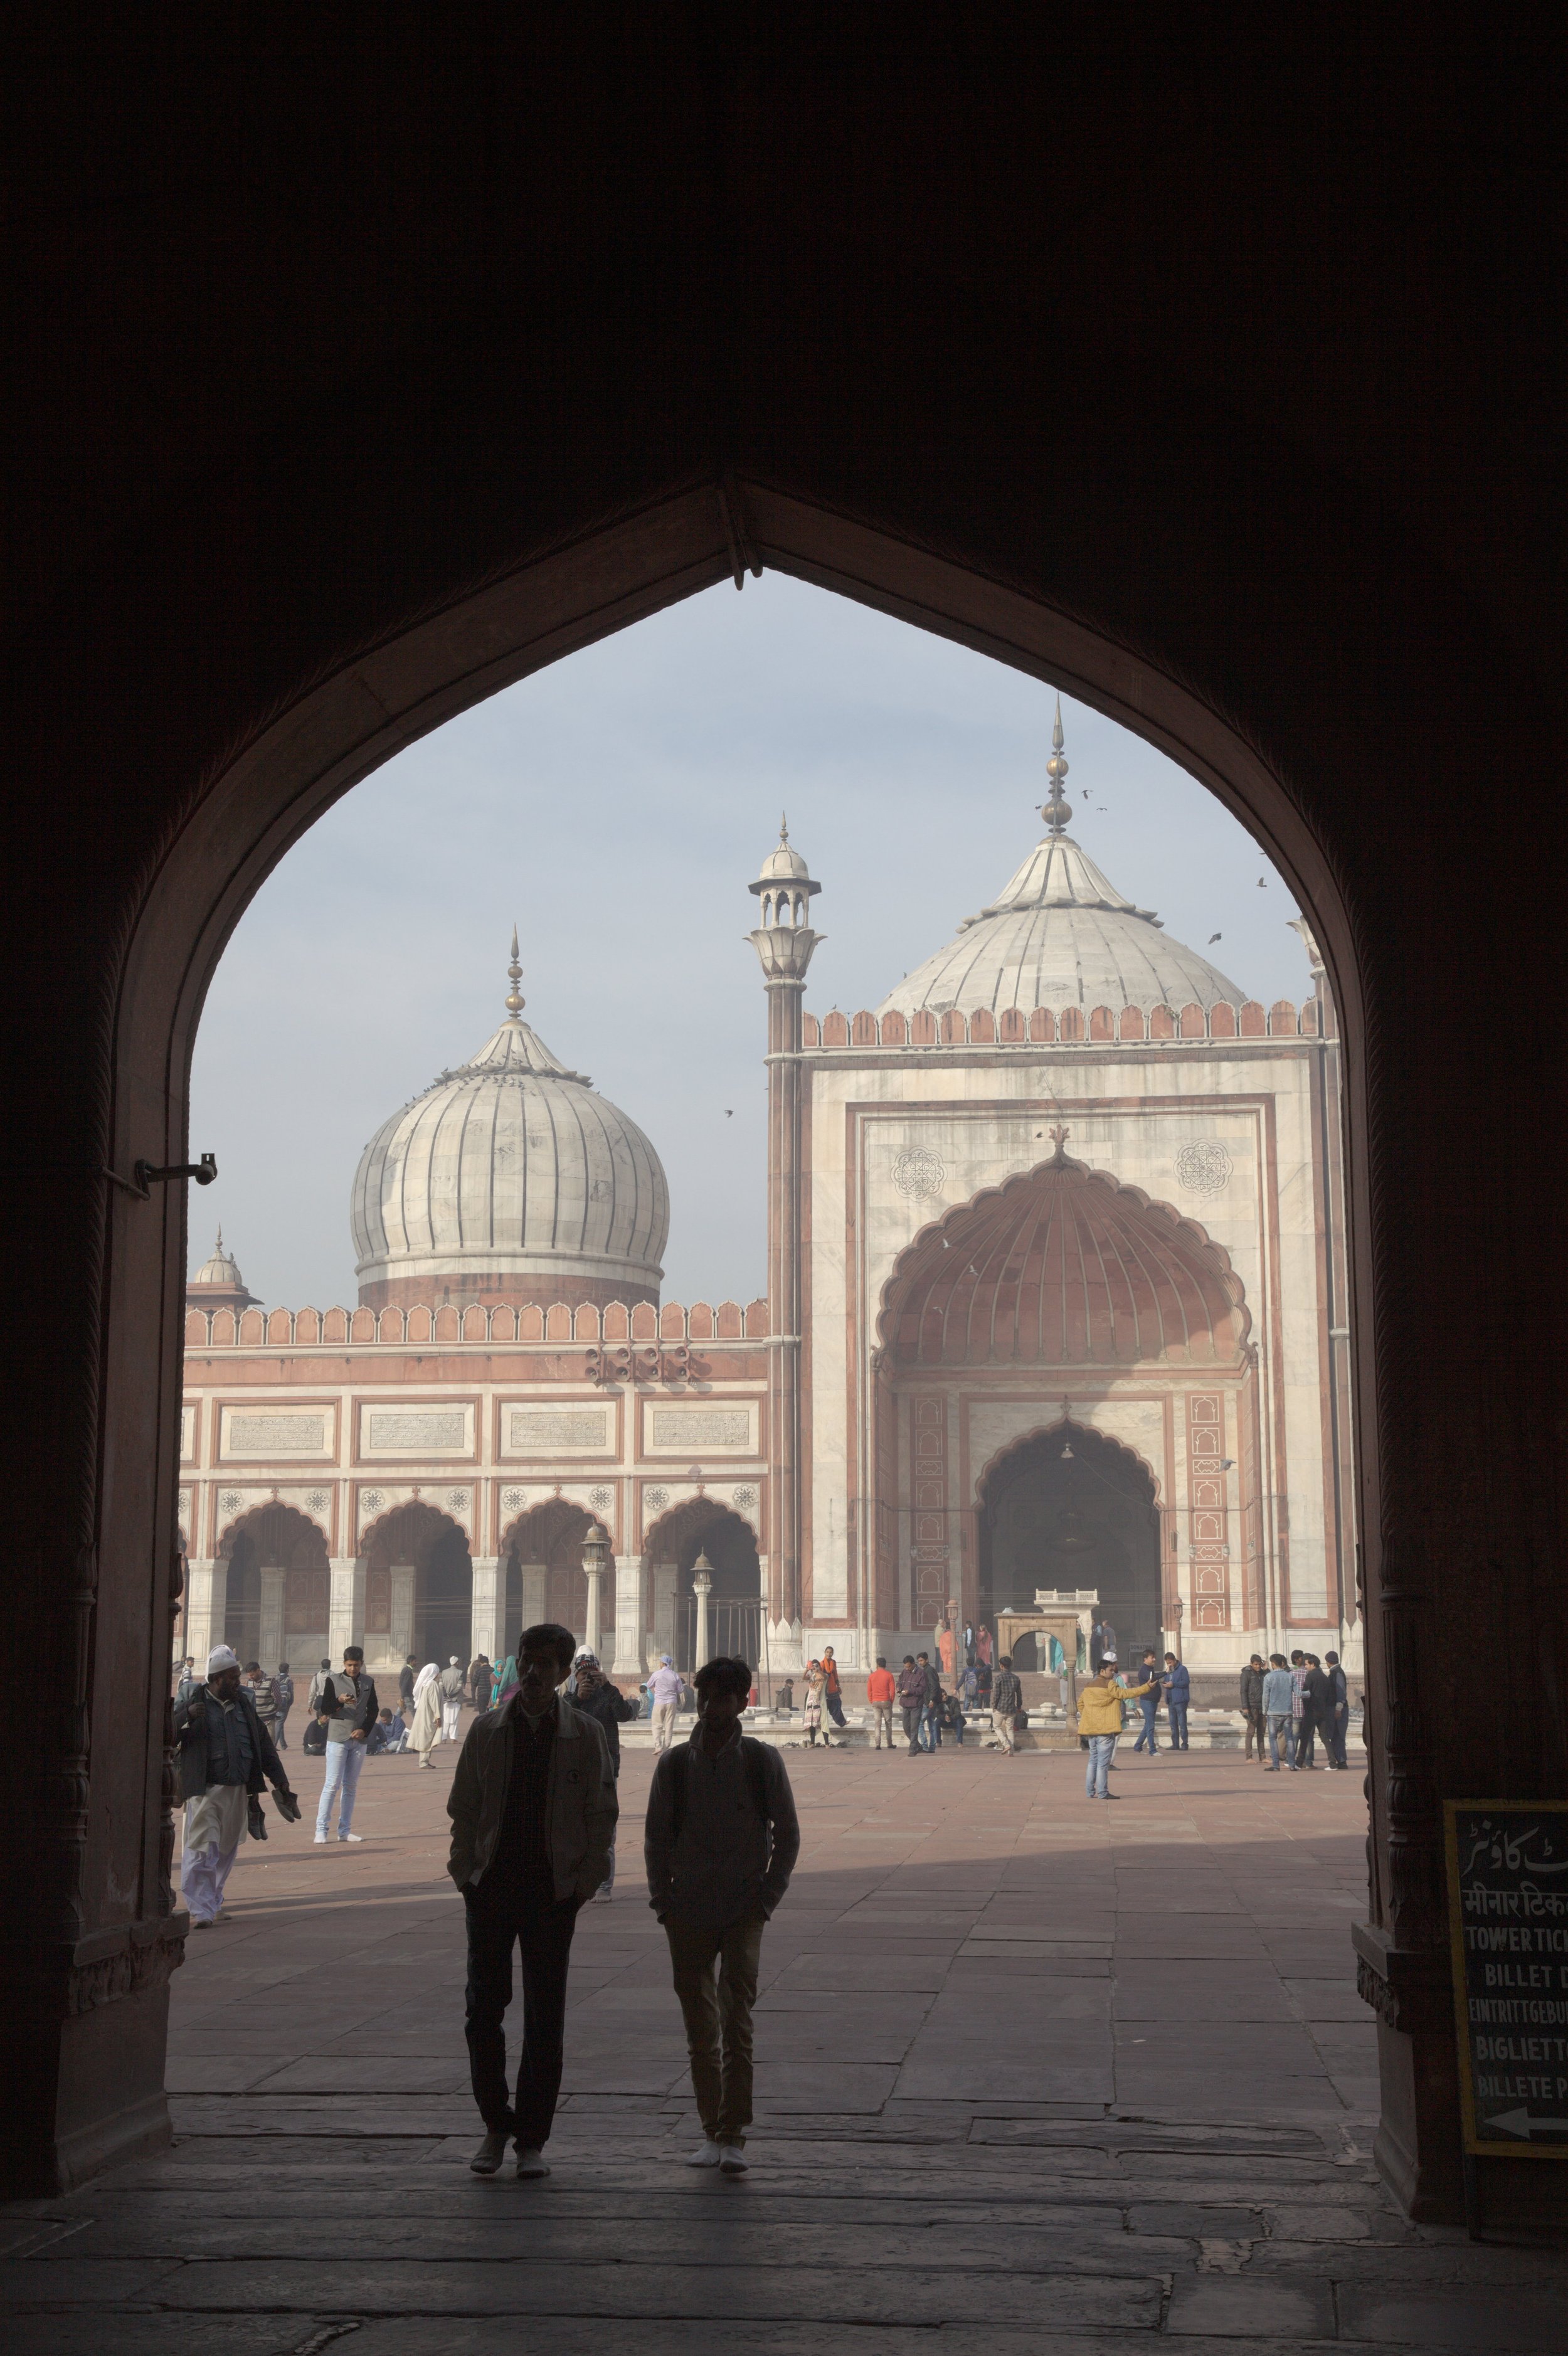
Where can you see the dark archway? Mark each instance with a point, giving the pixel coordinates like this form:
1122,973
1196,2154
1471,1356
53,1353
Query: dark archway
701,1525
1071,1508
277,1591
551,1534
431,1615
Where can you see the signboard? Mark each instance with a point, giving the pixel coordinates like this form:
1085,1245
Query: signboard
1508,1909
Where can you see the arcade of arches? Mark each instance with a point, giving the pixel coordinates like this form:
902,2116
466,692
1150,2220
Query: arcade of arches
1290,592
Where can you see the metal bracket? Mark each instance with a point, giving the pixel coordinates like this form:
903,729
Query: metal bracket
147,1175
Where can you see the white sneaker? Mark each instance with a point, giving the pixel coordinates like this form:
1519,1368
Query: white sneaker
707,2155
531,2163
321,1840
351,1837
732,2159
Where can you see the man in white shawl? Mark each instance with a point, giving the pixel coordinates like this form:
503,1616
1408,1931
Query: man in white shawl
427,1712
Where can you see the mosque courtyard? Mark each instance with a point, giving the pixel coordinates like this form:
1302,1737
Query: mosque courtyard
1033,2073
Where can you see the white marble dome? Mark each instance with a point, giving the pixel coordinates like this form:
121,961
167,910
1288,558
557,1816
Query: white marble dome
510,1178
1061,935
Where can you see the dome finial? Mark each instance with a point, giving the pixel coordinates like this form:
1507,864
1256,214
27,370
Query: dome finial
514,1001
783,826
1055,809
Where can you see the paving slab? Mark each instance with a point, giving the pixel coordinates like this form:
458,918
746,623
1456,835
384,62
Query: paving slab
944,2112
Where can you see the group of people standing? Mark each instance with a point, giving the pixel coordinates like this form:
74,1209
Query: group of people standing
1293,1702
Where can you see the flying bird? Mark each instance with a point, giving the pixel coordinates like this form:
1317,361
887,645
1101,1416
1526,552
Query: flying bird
1263,882
1212,939
730,1113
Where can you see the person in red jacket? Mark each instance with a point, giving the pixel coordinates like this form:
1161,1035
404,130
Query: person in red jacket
882,1687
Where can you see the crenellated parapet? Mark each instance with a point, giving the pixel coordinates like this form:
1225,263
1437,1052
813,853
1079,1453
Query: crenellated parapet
446,1323
1069,1026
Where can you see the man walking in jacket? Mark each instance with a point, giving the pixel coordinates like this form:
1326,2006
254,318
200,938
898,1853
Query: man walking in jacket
664,1694
533,1815
1150,1689
284,1694
350,1703
1007,1700
1279,1699
1177,1694
1252,1704
1339,1707
911,1702
1100,1720
720,1844
610,1708
881,1689
225,1756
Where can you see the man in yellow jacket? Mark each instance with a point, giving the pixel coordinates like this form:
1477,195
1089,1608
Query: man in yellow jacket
1100,1722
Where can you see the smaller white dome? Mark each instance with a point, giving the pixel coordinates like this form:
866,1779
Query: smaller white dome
221,1268
785,866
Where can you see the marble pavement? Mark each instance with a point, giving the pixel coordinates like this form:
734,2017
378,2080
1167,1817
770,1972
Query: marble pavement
1034,2074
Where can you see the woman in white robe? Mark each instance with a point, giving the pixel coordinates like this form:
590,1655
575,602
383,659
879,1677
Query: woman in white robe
427,1712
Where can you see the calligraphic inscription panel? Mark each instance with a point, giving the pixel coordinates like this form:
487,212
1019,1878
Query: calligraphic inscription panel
1508,1898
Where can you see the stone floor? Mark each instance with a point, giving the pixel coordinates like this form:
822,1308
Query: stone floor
1035,2074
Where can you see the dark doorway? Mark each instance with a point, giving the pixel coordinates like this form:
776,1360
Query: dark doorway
1069,1508
243,1600
444,1600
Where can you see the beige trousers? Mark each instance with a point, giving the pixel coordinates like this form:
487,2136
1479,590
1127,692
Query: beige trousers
716,1982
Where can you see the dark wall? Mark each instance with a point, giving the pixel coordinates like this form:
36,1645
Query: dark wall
1225,343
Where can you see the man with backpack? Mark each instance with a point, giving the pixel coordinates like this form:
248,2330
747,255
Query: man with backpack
720,1844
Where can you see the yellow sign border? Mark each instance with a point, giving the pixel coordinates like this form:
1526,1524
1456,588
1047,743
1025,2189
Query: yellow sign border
1514,2148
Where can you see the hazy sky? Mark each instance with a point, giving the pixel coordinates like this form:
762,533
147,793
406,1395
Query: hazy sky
616,807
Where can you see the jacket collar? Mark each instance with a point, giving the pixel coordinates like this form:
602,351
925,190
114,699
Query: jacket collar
569,1723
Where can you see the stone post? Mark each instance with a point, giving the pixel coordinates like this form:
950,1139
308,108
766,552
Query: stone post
628,1662
784,942
270,1639
702,1588
536,1587
400,1641
345,1612
206,1603
595,1559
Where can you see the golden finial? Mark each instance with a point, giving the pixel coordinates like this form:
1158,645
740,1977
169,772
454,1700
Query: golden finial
783,826
1055,809
515,1000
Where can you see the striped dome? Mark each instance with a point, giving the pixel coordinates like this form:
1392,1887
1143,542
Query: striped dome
509,1179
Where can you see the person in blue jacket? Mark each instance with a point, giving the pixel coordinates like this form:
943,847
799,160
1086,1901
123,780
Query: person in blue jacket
1177,1694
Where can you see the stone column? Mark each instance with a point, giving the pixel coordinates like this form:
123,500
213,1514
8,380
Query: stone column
536,1587
628,1661
206,1601
269,1641
702,1588
400,1641
345,1612
489,1595
784,942
662,1597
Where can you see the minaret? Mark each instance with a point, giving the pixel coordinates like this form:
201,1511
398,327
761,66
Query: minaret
784,942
